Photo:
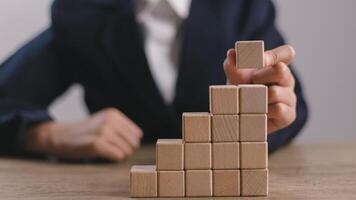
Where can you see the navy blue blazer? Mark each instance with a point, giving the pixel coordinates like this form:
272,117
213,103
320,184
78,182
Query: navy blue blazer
98,44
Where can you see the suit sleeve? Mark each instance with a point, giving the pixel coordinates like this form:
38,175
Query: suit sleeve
260,24
29,81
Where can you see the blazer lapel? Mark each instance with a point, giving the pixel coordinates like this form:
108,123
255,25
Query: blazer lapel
123,43
202,57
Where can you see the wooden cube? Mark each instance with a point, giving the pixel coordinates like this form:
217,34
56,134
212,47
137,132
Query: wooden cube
253,99
143,181
171,184
170,154
249,54
224,99
254,155
226,155
198,183
196,127
254,182
225,128
226,183
253,127
197,155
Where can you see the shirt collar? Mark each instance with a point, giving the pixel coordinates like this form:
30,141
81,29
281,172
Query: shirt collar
180,7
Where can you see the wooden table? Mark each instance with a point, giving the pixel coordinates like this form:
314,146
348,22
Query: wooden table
300,171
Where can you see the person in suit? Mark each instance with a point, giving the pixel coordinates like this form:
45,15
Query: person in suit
141,64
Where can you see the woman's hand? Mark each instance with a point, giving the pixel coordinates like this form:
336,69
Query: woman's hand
106,134
277,76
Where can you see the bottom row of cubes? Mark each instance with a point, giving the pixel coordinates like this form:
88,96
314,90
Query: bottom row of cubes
147,182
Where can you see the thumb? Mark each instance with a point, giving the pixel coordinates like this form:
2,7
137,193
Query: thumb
234,75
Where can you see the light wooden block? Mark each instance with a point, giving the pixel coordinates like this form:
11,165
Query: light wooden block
226,155
226,183
254,155
224,99
253,127
170,154
196,127
249,54
253,99
197,156
198,183
225,128
254,182
171,183
143,181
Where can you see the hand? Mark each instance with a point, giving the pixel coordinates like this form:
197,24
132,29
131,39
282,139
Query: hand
277,76
106,134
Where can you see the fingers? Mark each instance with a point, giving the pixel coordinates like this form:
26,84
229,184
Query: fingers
131,126
285,53
278,74
229,64
231,54
277,94
281,107
120,142
124,133
277,58
112,145
280,116
104,149
118,132
233,75
109,145
125,129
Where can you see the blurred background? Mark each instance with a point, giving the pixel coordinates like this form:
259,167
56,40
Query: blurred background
322,31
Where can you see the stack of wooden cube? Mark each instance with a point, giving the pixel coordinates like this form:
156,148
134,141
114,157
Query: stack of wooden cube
223,153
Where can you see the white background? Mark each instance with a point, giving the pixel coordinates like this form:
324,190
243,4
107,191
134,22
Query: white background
322,31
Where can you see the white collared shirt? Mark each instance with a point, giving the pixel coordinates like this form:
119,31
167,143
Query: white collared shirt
161,23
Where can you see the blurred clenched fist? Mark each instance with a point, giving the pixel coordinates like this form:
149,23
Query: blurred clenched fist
106,134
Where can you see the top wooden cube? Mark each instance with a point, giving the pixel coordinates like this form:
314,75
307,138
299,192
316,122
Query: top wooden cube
224,99
249,54
196,127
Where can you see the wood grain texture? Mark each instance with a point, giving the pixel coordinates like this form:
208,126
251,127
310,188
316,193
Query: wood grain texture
170,154
253,99
226,155
225,128
171,183
254,155
143,181
226,183
314,170
198,183
249,54
224,99
254,182
196,127
197,156
253,127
